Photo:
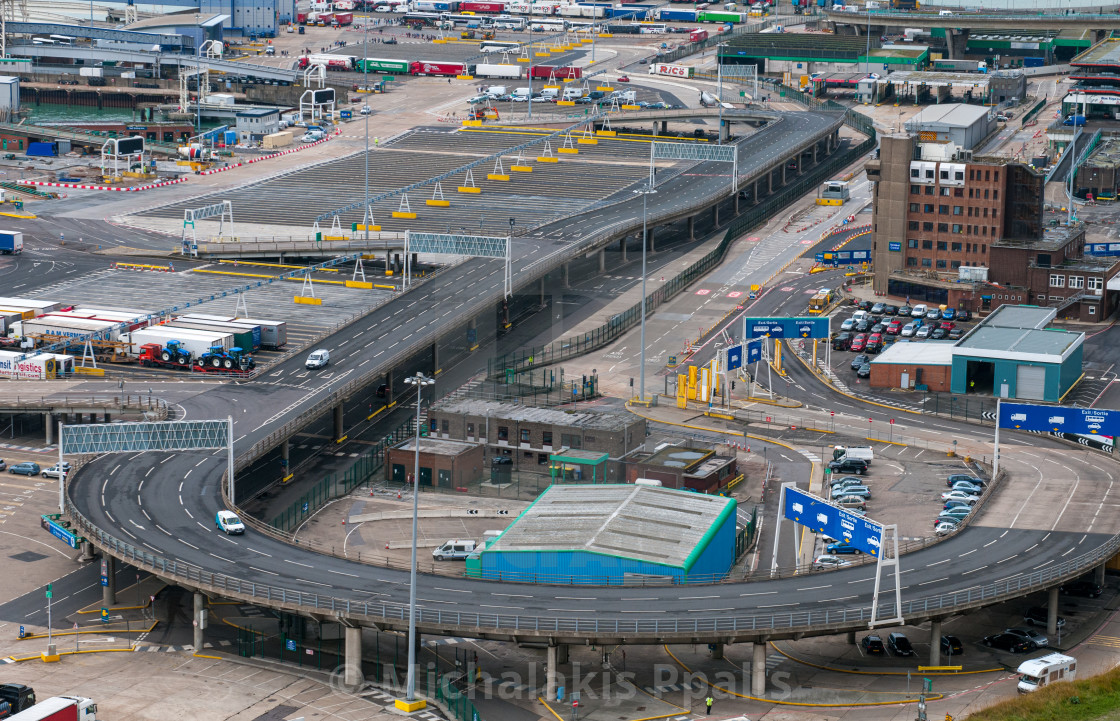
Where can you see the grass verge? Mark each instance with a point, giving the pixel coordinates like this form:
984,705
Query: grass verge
1091,699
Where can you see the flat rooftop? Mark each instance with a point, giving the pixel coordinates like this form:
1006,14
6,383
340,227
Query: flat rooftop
1017,332
1105,155
646,523
926,353
1104,53
1053,237
597,420
938,79
437,446
1020,316
187,19
913,52
958,115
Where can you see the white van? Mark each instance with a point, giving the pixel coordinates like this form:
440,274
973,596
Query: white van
455,550
522,93
863,453
496,91
860,315
919,311
550,93
1039,672
945,12
573,93
320,358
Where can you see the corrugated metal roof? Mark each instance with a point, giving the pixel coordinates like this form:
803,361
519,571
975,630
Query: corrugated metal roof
1019,316
958,115
658,525
1021,343
598,419
926,353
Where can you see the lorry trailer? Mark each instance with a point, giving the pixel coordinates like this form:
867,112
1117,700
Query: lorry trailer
11,242
274,333
242,337
43,366
195,341
59,708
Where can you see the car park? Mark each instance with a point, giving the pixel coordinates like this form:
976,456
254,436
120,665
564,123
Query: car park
859,342
873,646
861,491
1007,642
841,341
864,371
1036,616
229,523
829,561
923,332
960,496
948,314
26,468
837,549
849,465
859,360
951,646
1034,638
1083,588
899,645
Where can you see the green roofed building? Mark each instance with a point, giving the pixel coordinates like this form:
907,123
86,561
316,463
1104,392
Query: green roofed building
614,534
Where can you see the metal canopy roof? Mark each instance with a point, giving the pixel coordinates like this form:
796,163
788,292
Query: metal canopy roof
645,523
1017,333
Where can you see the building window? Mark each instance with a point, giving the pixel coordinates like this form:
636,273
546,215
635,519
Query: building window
524,435
470,430
957,229
571,440
946,192
987,178
983,248
971,174
443,426
912,261
941,264
958,192
432,425
943,210
929,188
959,175
927,227
915,189
925,262
956,264
929,174
915,207
915,173
983,230
956,246
503,433
1077,281
1057,281
1092,310
942,227
970,192
942,245
944,174
1095,283
546,438
997,176
985,193
927,245
912,243
985,212
958,209
929,208
913,225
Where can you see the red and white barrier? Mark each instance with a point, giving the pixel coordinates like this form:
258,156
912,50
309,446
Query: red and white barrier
267,157
79,186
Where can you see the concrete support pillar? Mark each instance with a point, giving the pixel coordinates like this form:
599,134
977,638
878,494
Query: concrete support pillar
816,147
736,204
109,591
717,651
199,620
436,368
1052,612
551,673
505,314
48,428
1098,574
564,274
799,163
562,653
285,458
397,263
852,637
758,670
715,215
87,552
338,430
105,418
692,227
389,386
649,240
352,670
622,249
472,335
935,643
770,181
540,285
415,259
664,127
956,39
388,262
754,192
602,260
784,164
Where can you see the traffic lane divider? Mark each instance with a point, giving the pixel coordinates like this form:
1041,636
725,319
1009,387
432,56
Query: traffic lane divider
81,186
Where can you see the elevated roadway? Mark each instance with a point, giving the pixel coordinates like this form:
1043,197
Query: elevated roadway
153,59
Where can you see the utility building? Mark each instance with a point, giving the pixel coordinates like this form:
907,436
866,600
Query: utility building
614,534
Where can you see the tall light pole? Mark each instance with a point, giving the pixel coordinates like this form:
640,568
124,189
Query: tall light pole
365,81
419,381
646,191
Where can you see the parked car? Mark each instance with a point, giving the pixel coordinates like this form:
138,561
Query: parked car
827,561
909,330
1083,588
1036,616
26,468
969,498
878,328
923,332
894,327
964,316
919,311
840,548
874,343
863,304
861,491
949,314
859,360
863,326
849,465
1034,638
945,527
847,481
906,311
3,465
55,472
841,341
848,324
877,308
864,371
955,334
859,342
968,487
950,505
957,477
951,646
938,333
852,503
933,314
890,309
899,645
1007,642
623,79
873,646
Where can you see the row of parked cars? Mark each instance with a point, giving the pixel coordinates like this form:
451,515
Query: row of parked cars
28,468
847,489
963,494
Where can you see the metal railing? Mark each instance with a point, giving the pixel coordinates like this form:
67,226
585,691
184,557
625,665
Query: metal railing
834,619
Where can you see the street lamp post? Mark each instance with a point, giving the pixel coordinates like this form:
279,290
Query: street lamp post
419,380
646,191
365,81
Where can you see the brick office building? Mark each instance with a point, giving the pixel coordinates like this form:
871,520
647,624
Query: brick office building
443,463
969,233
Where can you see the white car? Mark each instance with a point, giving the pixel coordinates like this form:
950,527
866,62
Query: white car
945,528
959,496
848,324
53,471
228,522
923,332
830,561
366,110
909,329
318,359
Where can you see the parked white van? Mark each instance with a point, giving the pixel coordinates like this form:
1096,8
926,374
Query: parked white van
1051,668
455,550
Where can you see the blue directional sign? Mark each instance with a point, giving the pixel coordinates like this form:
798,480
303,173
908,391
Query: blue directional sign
735,357
1086,421
785,328
754,351
833,521
59,531
1102,248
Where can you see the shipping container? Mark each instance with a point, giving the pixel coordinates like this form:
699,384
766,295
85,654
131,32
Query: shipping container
233,324
11,241
480,7
42,366
42,150
552,71
384,65
91,72
70,328
7,317
195,341
38,307
343,19
1034,62
274,334
242,337
675,15
428,67
676,71
497,71
131,322
709,16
